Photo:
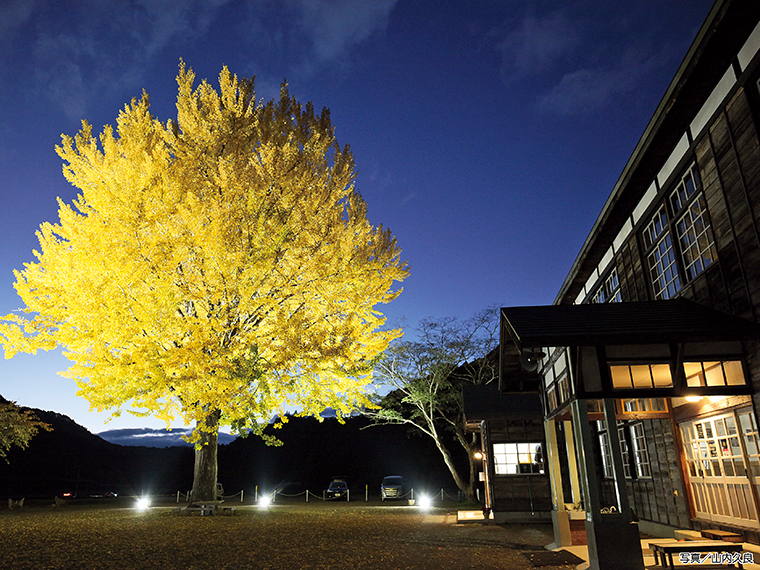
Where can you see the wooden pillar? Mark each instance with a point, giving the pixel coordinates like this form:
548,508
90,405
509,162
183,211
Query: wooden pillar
553,465
572,462
560,517
586,460
621,492
613,541
485,447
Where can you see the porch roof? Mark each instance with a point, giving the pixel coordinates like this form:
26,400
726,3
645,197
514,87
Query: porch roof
642,322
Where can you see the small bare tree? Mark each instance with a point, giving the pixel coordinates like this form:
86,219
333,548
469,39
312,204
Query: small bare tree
426,376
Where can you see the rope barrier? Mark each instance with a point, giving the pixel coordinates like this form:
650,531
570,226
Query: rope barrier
187,496
441,495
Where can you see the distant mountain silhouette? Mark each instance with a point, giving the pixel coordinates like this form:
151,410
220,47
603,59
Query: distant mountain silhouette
149,437
71,459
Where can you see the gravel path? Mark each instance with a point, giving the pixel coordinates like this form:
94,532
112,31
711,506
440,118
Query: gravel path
321,536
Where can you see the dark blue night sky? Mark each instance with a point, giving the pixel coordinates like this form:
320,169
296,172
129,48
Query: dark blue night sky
488,134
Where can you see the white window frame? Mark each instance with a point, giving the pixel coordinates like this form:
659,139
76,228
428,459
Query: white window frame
518,458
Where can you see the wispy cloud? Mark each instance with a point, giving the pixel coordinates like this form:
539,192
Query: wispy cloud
537,43
13,15
98,47
95,46
588,89
334,26
575,62
408,198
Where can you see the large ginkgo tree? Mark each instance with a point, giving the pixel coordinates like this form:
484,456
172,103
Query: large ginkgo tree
217,269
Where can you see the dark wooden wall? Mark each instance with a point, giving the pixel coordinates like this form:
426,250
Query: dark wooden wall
660,498
728,157
520,493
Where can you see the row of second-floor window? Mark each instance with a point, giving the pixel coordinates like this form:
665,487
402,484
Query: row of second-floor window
679,228
609,290
678,243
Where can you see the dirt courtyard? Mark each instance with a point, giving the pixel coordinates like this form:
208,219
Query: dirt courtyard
311,536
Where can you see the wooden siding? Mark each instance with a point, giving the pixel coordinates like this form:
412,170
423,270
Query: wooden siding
728,157
631,274
520,493
661,497
732,186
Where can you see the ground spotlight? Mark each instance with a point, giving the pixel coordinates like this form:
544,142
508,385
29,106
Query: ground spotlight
424,502
265,501
143,503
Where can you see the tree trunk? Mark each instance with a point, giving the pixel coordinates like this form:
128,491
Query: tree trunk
470,447
466,488
204,474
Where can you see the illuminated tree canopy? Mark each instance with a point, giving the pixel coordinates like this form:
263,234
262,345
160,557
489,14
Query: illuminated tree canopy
214,269
17,427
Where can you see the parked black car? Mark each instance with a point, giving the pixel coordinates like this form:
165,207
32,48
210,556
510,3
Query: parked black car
338,489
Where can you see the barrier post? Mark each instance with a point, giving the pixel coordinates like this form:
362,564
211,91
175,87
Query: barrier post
178,496
256,495
241,494
366,493
307,495
441,494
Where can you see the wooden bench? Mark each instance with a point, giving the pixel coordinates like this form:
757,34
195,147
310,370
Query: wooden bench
667,548
681,534
723,535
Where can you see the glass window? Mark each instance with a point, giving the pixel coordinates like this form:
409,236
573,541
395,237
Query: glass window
631,405
640,452
604,444
695,239
518,458
694,242
641,376
719,373
609,291
662,259
638,447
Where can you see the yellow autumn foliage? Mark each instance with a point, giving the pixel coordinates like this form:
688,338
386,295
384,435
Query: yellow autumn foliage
220,262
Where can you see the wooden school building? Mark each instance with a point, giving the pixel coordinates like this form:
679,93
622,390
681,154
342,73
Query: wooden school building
631,403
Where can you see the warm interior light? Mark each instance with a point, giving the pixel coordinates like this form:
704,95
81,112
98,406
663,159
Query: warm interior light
715,398
693,398
478,455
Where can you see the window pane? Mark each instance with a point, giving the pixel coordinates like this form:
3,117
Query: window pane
695,239
694,374
714,374
661,376
641,376
734,373
664,273
517,458
621,376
